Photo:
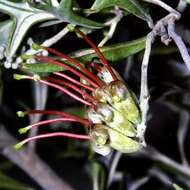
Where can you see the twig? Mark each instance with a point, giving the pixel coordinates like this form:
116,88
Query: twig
160,175
163,5
179,42
144,93
184,119
158,30
155,155
136,184
30,163
55,38
40,98
95,182
113,26
112,170
181,5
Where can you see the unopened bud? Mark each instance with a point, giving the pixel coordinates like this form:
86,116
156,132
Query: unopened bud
36,77
94,117
118,91
106,112
103,95
99,135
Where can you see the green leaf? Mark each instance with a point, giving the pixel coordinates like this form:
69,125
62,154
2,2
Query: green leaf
98,173
132,6
112,53
9,183
42,67
76,110
5,165
188,1
23,17
65,11
177,187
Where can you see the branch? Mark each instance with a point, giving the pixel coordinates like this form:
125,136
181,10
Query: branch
158,30
181,5
184,119
113,167
163,5
144,93
172,165
113,24
49,42
40,98
30,163
179,42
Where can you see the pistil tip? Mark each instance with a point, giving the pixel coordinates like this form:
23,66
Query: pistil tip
70,27
19,77
21,113
36,46
24,130
27,56
19,145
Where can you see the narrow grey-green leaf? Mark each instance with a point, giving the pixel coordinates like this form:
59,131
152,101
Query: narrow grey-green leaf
132,6
112,53
42,67
177,187
65,11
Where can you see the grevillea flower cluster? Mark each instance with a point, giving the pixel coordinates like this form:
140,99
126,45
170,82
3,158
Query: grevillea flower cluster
112,110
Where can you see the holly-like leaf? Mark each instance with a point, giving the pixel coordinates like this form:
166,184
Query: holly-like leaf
23,17
25,14
6,29
112,53
131,6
